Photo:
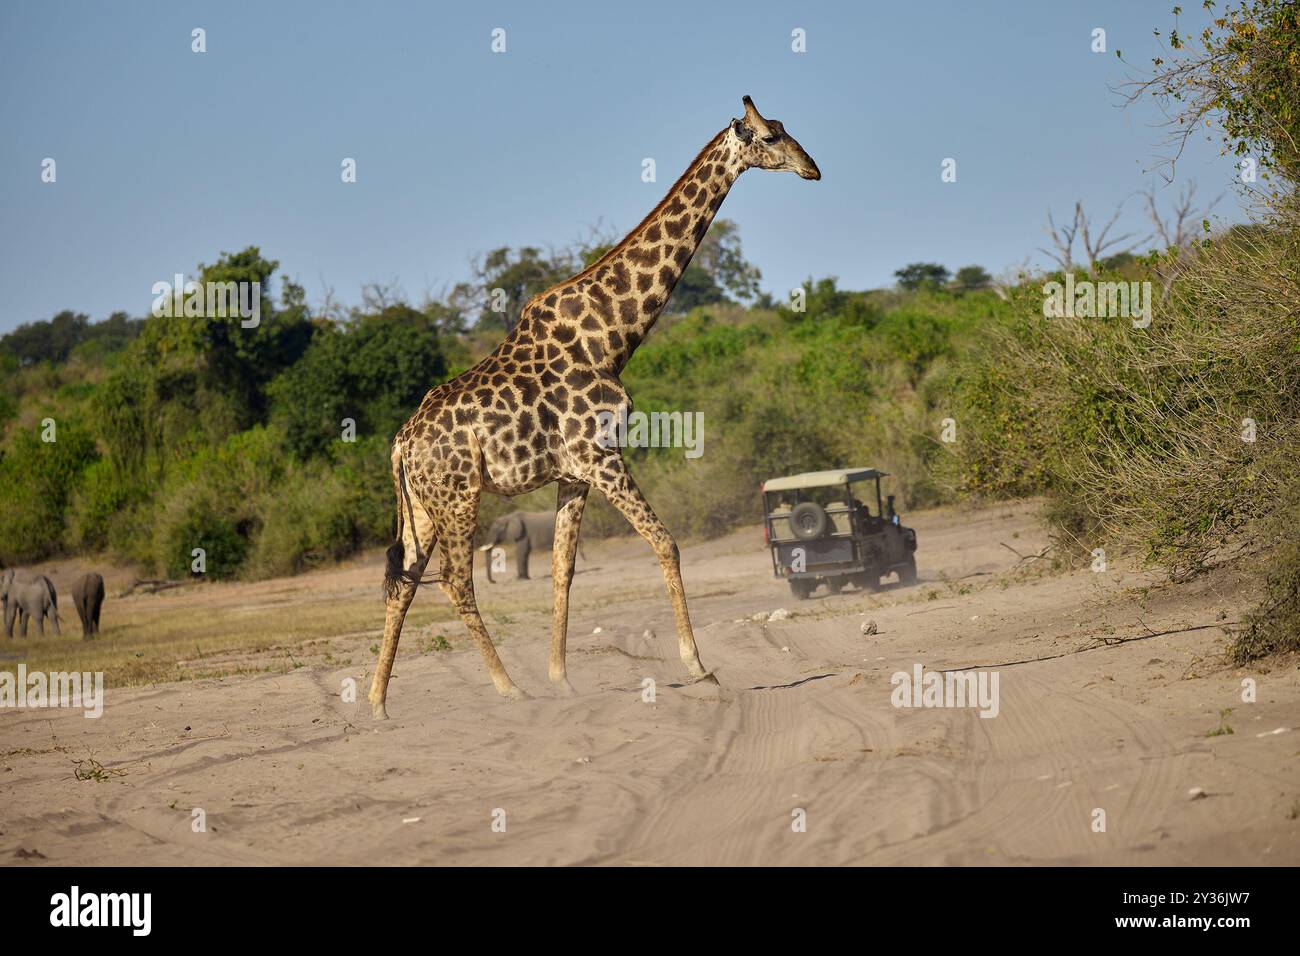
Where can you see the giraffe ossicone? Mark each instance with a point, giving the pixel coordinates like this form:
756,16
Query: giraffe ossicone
528,414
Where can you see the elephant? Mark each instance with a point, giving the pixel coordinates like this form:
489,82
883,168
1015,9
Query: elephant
528,529
88,596
26,594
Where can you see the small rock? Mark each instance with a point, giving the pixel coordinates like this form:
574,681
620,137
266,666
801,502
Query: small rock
583,760
760,616
1270,733
869,627
648,635
596,630
410,819
786,649
780,614
1196,793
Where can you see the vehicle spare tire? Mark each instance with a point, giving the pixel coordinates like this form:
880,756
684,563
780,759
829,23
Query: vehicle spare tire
808,520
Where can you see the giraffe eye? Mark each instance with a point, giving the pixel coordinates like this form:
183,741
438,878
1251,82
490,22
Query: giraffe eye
771,139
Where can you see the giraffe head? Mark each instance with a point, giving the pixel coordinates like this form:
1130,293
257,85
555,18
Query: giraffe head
765,143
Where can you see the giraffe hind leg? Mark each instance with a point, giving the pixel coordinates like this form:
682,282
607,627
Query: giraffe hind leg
405,566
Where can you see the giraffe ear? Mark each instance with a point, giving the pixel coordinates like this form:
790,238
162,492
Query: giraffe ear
745,134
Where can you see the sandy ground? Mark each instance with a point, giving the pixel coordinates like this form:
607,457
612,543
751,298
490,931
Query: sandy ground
800,730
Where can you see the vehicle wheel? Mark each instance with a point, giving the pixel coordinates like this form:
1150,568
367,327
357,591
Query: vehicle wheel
907,572
808,520
801,588
837,584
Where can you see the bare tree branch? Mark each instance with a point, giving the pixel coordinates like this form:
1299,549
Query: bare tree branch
1178,231
1063,240
1096,249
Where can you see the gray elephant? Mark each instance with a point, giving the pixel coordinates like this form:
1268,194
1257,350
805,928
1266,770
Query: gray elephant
26,594
88,596
526,530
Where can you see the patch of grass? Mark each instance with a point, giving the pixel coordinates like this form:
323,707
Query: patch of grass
92,769
1223,729
209,631
433,643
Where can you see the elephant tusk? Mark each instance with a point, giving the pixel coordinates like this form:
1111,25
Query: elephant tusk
486,547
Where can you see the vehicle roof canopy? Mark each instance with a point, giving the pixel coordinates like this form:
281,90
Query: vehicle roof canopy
820,479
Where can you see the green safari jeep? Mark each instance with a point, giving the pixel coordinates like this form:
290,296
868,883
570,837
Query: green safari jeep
822,529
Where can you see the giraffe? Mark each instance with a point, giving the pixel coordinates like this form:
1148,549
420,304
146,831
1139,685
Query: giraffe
527,415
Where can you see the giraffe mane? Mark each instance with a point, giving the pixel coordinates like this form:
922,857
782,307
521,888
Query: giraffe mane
635,229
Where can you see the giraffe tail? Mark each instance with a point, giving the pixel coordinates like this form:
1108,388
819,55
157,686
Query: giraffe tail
394,571
396,575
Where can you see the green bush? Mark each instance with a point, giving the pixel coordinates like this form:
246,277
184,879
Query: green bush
201,526
325,511
39,478
96,507
211,501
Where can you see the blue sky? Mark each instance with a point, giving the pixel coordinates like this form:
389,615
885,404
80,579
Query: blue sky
166,158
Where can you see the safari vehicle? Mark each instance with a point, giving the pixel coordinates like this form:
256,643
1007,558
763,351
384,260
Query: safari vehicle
822,529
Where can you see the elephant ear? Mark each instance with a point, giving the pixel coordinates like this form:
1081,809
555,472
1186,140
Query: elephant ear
515,529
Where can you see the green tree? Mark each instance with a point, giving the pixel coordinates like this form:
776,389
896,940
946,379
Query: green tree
971,278
921,275
825,301
225,354
51,340
1244,70
373,369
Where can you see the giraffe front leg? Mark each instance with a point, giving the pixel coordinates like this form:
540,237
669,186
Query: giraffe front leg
570,500
617,485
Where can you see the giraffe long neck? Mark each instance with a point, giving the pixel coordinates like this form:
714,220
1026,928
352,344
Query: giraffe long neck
617,300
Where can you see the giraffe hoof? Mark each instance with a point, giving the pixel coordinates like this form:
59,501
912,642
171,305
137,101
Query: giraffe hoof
564,688
378,712
705,678
513,693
